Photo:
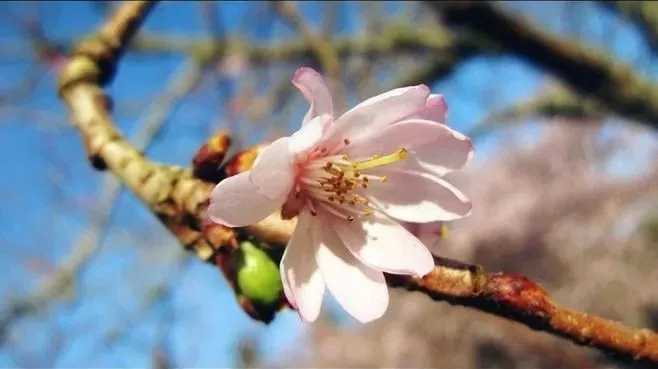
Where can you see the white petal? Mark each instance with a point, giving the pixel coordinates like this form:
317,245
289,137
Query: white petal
436,147
311,84
301,278
377,112
273,171
435,109
235,202
418,198
309,135
451,151
360,290
430,234
382,243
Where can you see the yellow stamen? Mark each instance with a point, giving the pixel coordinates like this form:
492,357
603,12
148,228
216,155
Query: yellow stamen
443,231
377,161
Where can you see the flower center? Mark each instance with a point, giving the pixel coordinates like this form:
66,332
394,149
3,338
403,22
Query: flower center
339,185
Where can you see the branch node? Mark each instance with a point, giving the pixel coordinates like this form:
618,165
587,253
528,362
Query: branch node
210,156
242,161
103,51
80,68
97,162
520,294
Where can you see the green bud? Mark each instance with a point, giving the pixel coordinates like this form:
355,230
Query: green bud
258,276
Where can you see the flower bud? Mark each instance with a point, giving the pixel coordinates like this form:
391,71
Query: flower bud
258,276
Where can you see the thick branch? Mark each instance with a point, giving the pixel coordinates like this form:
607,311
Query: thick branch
173,194
586,70
558,102
518,298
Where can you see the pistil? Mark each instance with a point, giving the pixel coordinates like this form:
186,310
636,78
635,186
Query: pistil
335,183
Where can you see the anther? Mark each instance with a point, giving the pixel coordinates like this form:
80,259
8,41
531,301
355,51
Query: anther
346,141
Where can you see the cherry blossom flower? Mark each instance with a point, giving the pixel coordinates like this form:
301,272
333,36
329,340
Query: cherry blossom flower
351,181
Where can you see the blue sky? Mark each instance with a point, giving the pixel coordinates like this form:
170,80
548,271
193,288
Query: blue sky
48,188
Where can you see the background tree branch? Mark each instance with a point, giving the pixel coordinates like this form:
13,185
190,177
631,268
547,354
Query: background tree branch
586,70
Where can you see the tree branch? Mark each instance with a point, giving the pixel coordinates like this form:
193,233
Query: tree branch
557,102
588,71
518,298
392,40
179,200
171,192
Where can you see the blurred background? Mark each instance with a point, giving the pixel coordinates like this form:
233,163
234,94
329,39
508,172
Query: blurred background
564,187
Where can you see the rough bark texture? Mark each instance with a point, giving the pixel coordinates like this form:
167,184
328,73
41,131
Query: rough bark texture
518,298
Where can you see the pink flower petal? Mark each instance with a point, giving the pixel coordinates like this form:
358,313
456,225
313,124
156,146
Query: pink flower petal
377,112
307,137
311,84
429,234
435,109
360,290
301,278
436,147
445,155
273,171
382,243
418,198
235,202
